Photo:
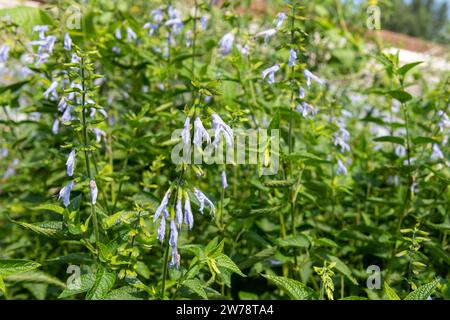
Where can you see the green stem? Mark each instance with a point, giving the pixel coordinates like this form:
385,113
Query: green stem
166,262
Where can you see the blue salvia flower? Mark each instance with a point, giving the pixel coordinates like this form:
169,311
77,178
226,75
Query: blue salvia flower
51,90
11,171
151,28
70,163
224,180
306,110
267,34
116,50
341,168
131,35
200,133
176,24
188,38
437,153
55,126
400,151
310,76
226,43
99,134
3,153
67,116
414,188
279,19
93,190
158,15
4,53
64,193
172,12
118,33
292,57
444,122
179,211
163,205
202,199
341,138
175,261
186,133
203,21
188,216
162,229
271,73
301,93
244,50
67,42
41,29
220,127
62,104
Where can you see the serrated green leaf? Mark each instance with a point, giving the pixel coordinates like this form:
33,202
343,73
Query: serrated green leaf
27,17
35,276
299,241
390,292
13,266
81,285
51,229
126,293
295,289
104,281
423,292
393,139
196,286
224,261
50,207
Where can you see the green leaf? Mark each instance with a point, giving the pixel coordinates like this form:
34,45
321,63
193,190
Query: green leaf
423,292
196,286
275,122
50,207
295,289
342,268
400,95
354,298
35,276
390,292
2,285
393,139
299,241
104,281
224,261
51,229
423,140
27,17
260,256
407,67
12,266
126,293
86,281
14,86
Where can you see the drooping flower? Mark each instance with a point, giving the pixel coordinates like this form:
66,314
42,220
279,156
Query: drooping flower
64,193
310,76
162,205
179,211
116,50
341,138
67,116
162,229
41,29
173,234
306,110
151,28
67,42
172,12
188,216
400,151
292,57
55,126
444,122
186,133
158,15
4,53
202,199
118,33
224,180
188,38
271,73
220,127
93,190
203,21
175,260
176,25
226,43
301,93
70,163
200,133
51,90
99,134
267,34
131,35
243,49
437,153
279,19
341,168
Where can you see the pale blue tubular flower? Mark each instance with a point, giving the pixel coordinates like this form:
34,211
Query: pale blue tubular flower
116,50
224,180
437,153
67,42
55,127
41,29
175,261
220,127
131,35
203,21
200,133
292,57
202,199
51,90
310,76
179,212
67,116
64,193
444,122
70,163
99,134
306,110
158,15
301,93
75,58
162,229
341,138
93,190
62,104
50,43
226,43
188,38
243,49
267,34
163,205
186,133
151,28
118,34
279,19
188,216
176,24
341,168
271,73
4,53
400,151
